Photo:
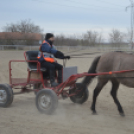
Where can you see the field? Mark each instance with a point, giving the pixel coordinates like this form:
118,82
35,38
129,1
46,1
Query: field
22,117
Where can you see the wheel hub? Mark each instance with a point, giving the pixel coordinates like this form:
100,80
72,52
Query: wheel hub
3,96
45,101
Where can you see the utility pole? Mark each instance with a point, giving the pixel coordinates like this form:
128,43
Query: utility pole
132,20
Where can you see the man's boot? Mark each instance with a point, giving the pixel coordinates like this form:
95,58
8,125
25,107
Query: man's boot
52,78
59,76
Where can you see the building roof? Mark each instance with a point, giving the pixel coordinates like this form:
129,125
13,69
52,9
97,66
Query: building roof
20,36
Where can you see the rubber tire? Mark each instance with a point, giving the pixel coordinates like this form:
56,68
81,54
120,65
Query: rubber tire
9,93
83,98
54,101
11,90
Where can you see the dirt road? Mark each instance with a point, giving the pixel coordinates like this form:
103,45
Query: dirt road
23,117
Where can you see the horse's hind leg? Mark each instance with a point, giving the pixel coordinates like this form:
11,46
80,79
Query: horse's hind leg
100,85
115,86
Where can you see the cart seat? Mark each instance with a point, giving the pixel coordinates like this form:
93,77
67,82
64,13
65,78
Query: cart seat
32,55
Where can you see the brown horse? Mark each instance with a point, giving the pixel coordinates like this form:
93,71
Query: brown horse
112,61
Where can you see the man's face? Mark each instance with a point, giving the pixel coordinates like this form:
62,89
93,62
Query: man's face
52,39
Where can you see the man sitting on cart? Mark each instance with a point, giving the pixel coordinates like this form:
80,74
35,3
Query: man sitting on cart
46,55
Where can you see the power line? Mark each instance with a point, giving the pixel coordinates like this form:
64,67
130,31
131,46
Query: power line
47,2
110,3
97,1
83,3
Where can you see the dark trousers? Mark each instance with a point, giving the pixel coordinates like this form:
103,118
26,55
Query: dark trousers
51,66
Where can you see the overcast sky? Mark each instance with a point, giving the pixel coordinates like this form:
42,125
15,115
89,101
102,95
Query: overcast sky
68,16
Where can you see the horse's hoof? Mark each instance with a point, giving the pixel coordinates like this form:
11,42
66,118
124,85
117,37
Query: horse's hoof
94,113
122,114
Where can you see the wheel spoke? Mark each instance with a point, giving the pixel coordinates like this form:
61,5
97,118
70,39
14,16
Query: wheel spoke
3,96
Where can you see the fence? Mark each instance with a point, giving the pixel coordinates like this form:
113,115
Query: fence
68,48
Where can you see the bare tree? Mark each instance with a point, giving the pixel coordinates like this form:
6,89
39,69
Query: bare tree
116,38
90,38
62,40
10,28
24,26
129,38
93,37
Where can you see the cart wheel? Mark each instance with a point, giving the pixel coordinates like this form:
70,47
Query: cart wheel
11,90
82,96
6,95
46,101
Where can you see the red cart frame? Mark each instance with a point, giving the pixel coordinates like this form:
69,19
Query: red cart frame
23,82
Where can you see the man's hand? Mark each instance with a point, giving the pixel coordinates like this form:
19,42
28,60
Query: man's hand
59,55
67,57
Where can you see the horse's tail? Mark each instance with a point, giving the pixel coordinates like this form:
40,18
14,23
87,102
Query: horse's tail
87,80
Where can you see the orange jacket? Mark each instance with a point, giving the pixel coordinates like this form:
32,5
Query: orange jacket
47,56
